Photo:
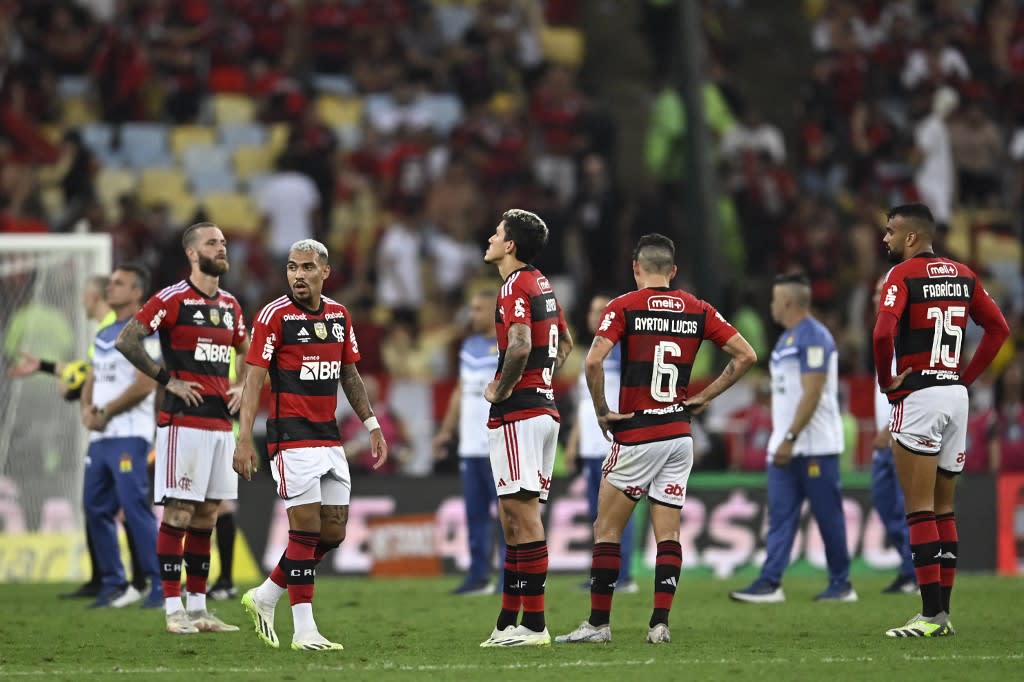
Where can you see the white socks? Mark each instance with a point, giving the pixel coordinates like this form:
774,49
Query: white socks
269,592
172,604
196,601
302,614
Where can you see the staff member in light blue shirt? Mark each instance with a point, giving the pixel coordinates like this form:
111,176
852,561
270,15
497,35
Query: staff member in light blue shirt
803,451
467,411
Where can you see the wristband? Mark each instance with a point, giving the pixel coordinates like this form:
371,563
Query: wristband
371,423
47,367
162,377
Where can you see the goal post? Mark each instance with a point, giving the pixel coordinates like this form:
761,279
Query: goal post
42,442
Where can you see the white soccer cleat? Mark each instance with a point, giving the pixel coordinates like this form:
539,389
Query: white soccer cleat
586,633
659,634
517,636
126,598
204,621
178,623
262,617
314,641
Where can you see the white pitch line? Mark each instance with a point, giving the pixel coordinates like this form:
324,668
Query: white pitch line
401,667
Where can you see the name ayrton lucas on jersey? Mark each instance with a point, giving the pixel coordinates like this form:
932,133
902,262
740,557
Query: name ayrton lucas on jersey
660,324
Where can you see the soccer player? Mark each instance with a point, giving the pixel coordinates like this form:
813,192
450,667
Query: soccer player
198,323
803,450
94,304
660,330
306,343
117,408
886,495
587,446
922,316
533,341
467,409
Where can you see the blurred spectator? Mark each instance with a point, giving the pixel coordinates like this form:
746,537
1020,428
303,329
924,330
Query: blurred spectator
937,63
557,108
755,136
77,181
455,203
290,203
933,155
982,432
378,63
1010,422
178,40
67,34
399,262
749,429
978,153
120,70
594,219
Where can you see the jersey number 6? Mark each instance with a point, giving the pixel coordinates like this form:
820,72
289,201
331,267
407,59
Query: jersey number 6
664,372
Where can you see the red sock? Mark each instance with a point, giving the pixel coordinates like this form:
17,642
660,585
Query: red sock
279,576
197,559
925,548
949,542
301,565
168,551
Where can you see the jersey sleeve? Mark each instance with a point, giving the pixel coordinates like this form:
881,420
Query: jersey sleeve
157,313
515,307
266,338
716,328
894,295
350,353
815,348
240,333
613,322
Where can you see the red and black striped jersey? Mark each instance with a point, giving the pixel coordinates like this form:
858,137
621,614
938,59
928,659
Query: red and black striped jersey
303,350
197,333
932,297
527,298
660,331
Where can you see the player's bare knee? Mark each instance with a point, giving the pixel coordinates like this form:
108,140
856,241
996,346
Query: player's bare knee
333,523
606,532
179,513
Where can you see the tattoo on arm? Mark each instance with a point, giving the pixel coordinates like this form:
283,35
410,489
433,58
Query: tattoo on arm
595,382
355,392
129,342
517,354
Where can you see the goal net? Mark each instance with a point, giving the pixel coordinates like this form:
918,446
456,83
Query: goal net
42,442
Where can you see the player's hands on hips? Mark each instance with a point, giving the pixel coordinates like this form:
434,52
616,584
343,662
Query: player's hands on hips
696,404
234,398
186,390
784,455
27,364
244,461
897,382
607,420
378,448
491,393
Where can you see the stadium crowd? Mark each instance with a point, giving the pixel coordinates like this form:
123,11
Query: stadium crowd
396,131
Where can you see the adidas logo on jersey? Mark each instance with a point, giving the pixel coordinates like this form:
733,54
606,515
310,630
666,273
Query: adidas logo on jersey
303,332
198,317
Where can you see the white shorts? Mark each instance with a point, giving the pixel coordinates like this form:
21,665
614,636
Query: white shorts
523,455
933,421
659,470
194,464
311,475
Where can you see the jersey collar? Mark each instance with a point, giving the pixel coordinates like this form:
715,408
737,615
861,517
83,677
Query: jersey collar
201,292
926,254
308,310
525,268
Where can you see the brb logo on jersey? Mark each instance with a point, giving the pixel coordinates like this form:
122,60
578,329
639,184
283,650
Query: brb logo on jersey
212,352
942,270
890,297
315,370
665,303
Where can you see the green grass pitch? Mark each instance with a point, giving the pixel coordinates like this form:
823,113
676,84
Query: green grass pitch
412,629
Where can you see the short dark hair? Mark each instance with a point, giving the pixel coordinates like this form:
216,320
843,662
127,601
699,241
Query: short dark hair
918,213
655,253
189,237
796,277
141,273
527,230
